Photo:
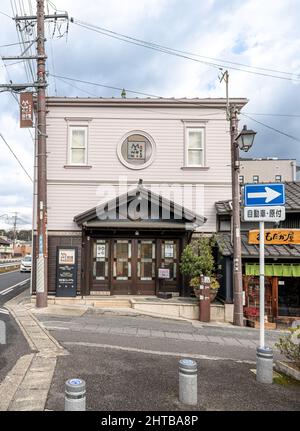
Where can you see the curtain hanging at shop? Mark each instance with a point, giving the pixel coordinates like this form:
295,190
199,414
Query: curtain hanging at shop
274,269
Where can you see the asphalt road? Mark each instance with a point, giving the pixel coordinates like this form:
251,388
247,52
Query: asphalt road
131,363
11,285
119,380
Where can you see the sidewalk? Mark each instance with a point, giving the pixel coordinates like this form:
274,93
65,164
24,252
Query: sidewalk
27,385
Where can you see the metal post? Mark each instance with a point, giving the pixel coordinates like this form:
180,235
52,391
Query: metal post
41,262
75,395
188,382
261,284
238,318
264,355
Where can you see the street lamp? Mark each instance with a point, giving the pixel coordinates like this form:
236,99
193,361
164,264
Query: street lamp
245,139
239,140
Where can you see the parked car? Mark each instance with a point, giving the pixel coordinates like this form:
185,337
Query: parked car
26,264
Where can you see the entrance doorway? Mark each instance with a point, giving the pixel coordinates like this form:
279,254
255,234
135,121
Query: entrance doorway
129,266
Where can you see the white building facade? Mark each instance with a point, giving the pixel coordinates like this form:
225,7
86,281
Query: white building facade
174,158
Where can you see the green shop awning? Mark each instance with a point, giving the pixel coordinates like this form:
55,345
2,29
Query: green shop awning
274,269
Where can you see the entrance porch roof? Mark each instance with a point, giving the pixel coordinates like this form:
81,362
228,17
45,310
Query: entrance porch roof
118,213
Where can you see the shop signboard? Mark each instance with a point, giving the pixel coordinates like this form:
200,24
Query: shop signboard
26,110
163,273
276,236
66,271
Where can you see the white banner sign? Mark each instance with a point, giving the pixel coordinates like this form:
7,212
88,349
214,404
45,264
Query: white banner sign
271,214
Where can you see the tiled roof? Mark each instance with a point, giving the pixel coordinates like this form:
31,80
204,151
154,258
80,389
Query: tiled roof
292,199
4,241
223,207
286,251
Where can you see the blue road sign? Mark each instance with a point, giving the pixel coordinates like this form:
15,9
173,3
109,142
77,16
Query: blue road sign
264,195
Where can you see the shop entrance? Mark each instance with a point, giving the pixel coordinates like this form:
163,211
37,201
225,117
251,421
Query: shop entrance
289,296
129,266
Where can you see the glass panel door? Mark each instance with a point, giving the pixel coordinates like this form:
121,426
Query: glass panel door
122,260
100,259
169,257
146,260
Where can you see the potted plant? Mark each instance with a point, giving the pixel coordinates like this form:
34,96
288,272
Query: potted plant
197,260
251,314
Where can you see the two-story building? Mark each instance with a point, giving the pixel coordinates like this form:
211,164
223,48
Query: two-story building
129,181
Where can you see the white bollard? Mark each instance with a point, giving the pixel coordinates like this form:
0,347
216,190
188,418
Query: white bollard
264,365
75,399
188,382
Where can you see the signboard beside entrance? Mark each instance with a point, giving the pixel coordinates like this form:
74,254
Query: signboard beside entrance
163,273
66,271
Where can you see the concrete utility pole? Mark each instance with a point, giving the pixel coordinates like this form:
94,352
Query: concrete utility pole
232,117
236,222
15,227
41,150
41,261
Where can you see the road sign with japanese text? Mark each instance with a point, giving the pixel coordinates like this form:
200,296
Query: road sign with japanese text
269,214
264,195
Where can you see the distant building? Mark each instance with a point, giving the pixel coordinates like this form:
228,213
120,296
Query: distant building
6,248
270,169
22,248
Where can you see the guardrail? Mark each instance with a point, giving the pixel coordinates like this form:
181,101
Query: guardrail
10,260
8,265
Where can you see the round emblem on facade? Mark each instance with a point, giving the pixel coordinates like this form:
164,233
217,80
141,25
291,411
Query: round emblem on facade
136,150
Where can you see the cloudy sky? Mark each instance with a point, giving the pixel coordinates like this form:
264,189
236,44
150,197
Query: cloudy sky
263,35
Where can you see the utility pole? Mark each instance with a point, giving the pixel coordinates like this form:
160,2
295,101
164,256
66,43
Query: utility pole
236,222
15,227
42,246
41,148
237,279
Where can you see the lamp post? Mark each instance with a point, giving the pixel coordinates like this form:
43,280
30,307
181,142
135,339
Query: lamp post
239,141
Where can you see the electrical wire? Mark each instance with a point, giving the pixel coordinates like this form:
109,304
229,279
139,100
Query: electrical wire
5,14
177,53
271,128
15,156
13,44
103,85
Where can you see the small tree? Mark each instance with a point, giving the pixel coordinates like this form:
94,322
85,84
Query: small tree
197,259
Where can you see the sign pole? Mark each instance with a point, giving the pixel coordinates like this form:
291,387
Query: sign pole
262,284
264,355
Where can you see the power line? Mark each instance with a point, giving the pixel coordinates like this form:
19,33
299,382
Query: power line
274,115
177,53
13,44
18,160
103,85
180,51
5,14
271,128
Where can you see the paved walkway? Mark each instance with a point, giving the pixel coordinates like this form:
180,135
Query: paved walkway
27,385
146,327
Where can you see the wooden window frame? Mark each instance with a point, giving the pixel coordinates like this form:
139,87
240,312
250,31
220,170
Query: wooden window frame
201,129
70,148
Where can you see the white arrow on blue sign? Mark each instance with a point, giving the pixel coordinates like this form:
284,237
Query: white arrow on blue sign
264,195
